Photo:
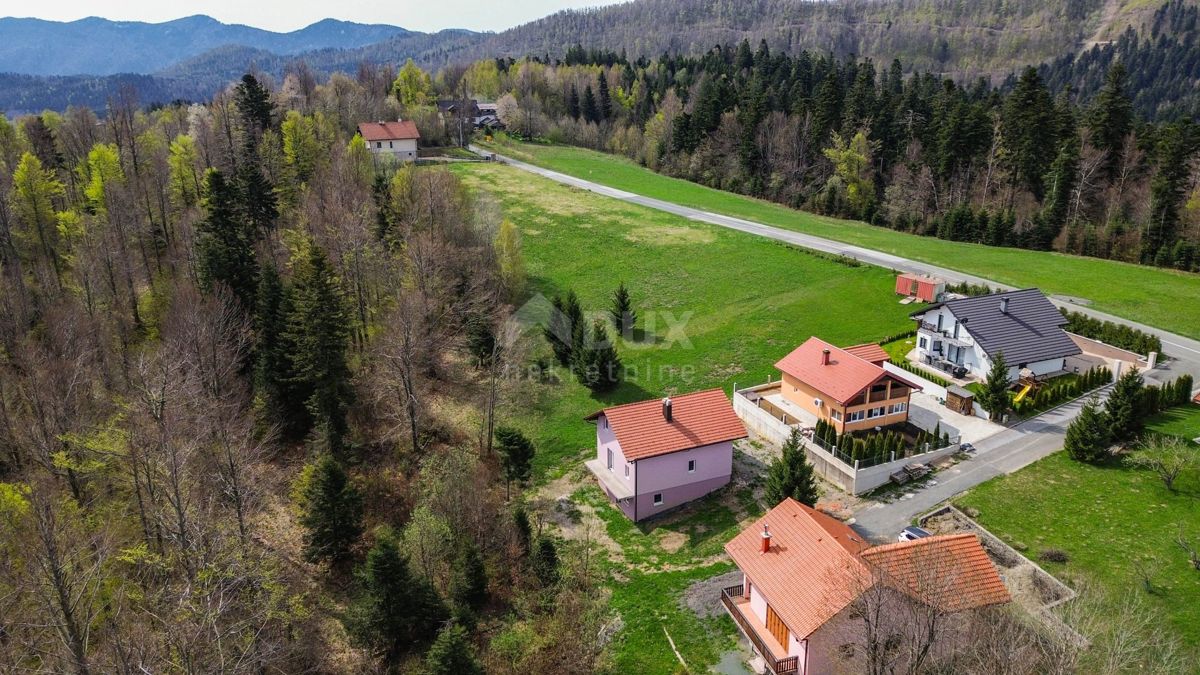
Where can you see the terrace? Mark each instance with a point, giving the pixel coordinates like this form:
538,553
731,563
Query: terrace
738,606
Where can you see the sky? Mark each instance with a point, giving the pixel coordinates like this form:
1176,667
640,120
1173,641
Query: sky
287,15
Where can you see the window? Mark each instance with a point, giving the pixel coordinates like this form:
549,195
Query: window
658,499
379,144
604,421
855,416
836,415
922,343
610,459
691,466
940,317
627,469
875,412
390,144
897,408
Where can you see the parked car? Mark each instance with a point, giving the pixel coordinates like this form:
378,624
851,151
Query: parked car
966,447
912,533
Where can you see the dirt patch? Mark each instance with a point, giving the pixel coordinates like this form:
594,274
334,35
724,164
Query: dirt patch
704,596
671,542
667,235
573,520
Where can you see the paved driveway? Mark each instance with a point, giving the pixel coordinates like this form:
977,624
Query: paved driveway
925,410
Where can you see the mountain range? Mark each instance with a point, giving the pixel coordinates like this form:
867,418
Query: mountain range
191,58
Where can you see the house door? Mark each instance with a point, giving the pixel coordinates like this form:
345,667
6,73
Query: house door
778,630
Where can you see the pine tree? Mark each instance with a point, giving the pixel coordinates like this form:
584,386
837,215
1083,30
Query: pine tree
605,99
545,561
256,200
396,610
452,654
1121,408
225,245
1062,179
573,110
791,475
523,530
1111,119
468,581
1029,131
993,396
332,514
283,400
596,364
589,109
1087,436
318,327
623,315
253,103
559,332
516,455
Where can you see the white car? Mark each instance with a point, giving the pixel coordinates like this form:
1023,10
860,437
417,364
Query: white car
912,533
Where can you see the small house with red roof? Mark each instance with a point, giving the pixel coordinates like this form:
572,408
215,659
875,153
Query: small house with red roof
805,576
653,456
849,388
395,140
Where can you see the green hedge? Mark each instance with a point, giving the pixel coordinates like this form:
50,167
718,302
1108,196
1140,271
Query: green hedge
1116,334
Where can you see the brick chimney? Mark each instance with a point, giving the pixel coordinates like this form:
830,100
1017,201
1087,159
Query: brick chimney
667,409
824,357
766,539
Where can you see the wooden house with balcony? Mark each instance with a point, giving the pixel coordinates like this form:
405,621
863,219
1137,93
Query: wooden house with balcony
962,337
849,388
806,577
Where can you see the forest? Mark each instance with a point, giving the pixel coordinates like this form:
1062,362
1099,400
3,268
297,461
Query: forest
251,398
1026,164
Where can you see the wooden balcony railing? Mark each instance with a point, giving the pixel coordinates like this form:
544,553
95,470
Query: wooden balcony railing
784,666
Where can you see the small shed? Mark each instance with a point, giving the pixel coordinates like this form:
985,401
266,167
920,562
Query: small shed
960,400
919,286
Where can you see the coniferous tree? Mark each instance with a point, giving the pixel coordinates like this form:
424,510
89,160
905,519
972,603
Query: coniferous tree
596,364
516,455
225,245
318,328
283,401
1121,408
623,315
573,110
1029,131
468,581
1088,436
791,475
993,396
590,110
256,199
1062,179
604,107
332,513
452,654
564,330
1111,119
545,561
523,529
396,611
1175,145
254,106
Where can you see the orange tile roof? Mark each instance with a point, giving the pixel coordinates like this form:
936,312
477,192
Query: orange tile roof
816,566
843,378
386,131
869,352
950,571
699,418
804,575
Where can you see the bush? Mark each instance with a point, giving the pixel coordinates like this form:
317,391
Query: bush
1054,555
1116,334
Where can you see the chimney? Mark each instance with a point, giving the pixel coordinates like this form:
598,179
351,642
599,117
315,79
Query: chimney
766,539
1004,305
667,409
824,357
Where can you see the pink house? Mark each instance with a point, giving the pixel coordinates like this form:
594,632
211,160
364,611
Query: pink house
652,456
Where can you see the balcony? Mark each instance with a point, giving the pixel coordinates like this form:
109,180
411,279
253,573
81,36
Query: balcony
738,606
947,335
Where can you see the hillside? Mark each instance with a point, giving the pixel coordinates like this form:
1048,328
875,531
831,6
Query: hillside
95,46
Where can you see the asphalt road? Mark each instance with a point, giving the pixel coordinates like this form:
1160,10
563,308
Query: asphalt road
1003,453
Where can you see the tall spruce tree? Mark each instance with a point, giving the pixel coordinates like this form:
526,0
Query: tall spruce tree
993,396
468,581
516,455
545,561
282,399
253,103
559,332
1029,131
589,109
791,475
1087,437
225,245
452,654
573,110
596,364
332,514
318,328
1111,119
623,315
1121,408
604,104
396,611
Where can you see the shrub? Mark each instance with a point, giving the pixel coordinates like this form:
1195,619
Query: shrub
1054,555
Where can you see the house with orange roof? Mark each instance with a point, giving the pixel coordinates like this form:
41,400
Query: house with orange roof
807,576
849,388
394,140
652,456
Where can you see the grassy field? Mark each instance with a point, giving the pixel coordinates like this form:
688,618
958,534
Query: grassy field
1110,520
717,308
1149,295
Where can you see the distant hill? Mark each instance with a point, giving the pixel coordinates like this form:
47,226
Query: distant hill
96,46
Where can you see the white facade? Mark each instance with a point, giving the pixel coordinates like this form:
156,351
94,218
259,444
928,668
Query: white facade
944,341
403,149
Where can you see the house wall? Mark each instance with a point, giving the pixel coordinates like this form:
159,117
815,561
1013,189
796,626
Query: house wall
402,149
758,604
971,355
668,475
606,440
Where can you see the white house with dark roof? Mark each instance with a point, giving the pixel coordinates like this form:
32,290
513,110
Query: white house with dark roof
962,337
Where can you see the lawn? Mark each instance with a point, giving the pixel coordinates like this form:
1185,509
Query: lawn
715,307
1149,295
1110,521
1182,421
